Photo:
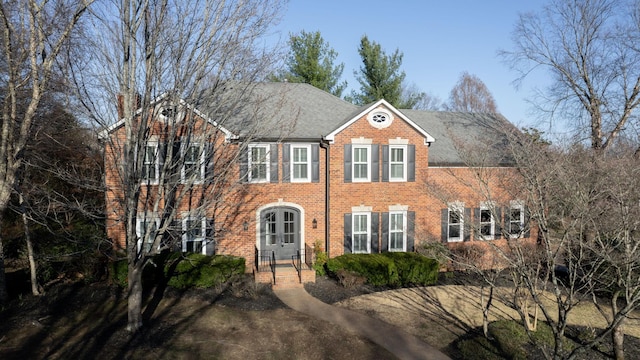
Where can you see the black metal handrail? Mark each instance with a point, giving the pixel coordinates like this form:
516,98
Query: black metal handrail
297,264
272,264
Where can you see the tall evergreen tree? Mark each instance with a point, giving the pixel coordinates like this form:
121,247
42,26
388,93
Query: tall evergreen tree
380,77
312,61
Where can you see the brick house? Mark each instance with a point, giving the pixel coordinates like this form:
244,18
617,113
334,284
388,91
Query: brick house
353,180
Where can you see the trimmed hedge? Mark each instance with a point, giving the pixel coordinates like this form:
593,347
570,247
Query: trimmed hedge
184,271
392,269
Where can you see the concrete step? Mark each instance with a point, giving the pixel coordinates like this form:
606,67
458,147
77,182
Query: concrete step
286,277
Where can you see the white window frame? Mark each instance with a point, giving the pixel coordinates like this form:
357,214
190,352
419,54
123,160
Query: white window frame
403,163
156,163
459,209
354,149
141,219
293,163
520,206
492,222
367,216
403,230
183,170
266,162
203,232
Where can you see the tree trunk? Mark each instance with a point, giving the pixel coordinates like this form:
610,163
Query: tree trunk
135,296
617,335
4,295
35,287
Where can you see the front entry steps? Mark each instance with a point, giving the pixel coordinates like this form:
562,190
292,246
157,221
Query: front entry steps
286,276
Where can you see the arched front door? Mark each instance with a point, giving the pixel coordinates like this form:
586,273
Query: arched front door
280,231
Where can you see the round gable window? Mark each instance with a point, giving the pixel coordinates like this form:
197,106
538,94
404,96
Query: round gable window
380,118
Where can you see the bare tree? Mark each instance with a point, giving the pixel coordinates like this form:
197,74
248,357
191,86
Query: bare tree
584,207
590,50
33,35
182,79
470,94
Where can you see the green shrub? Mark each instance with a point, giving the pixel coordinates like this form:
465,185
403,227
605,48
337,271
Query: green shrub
414,269
202,271
320,258
119,272
387,269
183,271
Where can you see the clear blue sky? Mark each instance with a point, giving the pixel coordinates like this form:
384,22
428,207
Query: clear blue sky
439,40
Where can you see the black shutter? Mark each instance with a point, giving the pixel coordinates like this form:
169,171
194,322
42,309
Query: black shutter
244,165
444,225
286,156
385,231
208,163
315,163
347,233
347,163
375,163
467,220
375,238
527,225
497,228
385,163
411,230
411,163
210,241
173,237
161,157
476,224
273,163
507,221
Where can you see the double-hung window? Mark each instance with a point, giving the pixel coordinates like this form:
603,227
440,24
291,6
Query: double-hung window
361,232
300,163
397,163
258,163
397,231
455,226
150,162
193,234
486,222
193,164
361,163
147,230
516,219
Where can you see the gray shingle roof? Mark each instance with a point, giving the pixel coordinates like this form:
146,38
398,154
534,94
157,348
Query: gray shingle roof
296,111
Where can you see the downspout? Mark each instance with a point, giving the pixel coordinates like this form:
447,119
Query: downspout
325,146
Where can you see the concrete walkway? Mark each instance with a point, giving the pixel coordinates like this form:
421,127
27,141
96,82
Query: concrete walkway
398,342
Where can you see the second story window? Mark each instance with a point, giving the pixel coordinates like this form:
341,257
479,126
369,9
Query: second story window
258,163
193,166
361,163
150,163
397,163
300,164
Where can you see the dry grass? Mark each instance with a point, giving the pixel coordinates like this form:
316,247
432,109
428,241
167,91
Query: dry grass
441,314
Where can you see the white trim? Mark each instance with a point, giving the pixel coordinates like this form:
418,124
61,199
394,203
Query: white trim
459,208
104,134
361,141
203,232
140,233
403,230
487,206
427,138
201,152
367,229
355,179
361,208
292,163
380,113
280,203
267,162
398,141
516,204
404,163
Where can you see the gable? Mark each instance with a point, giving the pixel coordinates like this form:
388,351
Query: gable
376,114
